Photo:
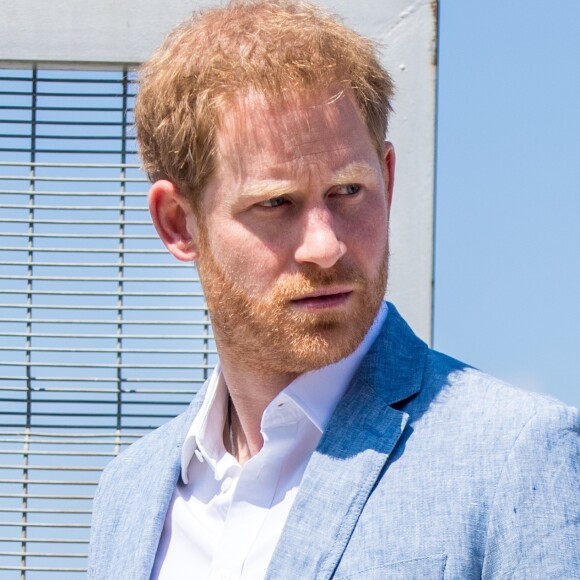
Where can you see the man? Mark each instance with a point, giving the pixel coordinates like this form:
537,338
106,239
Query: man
330,442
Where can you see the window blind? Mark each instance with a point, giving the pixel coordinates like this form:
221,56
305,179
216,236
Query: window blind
103,335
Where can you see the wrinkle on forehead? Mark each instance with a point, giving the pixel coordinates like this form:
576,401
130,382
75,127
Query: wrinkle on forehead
297,127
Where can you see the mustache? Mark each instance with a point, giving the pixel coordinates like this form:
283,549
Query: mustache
313,279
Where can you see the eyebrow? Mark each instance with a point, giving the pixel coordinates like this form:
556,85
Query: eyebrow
267,189
353,172
271,188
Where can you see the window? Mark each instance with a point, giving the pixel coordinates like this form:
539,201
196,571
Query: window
103,335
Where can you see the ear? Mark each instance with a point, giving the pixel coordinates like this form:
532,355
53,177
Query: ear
389,171
174,220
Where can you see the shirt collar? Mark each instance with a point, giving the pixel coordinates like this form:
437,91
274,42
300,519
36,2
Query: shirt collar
205,435
316,393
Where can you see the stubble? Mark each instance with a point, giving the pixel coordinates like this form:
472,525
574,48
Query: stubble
269,334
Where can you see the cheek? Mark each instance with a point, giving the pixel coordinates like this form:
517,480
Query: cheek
367,235
254,264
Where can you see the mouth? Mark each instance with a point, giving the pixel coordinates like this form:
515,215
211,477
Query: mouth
323,299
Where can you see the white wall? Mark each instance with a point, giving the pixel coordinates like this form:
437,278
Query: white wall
109,33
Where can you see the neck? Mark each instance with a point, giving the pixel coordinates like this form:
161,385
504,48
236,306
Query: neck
250,393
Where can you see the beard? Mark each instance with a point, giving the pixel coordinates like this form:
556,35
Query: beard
267,334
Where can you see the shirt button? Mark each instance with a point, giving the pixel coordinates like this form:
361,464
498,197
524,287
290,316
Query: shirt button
223,575
226,484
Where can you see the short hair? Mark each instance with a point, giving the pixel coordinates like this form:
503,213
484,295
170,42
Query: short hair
274,47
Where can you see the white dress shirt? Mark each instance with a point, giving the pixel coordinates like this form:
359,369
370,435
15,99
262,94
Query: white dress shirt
225,520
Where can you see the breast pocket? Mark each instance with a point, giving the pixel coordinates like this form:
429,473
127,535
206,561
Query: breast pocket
425,568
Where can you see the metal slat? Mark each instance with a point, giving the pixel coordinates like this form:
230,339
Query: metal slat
33,569
62,137
45,511
73,208
44,525
131,390
65,109
108,322
96,379
63,152
45,540
184,337
62,122
64,179
100,440
150,265
77,222
42,569
99,279
60,94
45,554
101,350
59,482
102,308
45,403
64,79
70,165
144,427
43,364
82,251
59,468
82,236
73,193
42,435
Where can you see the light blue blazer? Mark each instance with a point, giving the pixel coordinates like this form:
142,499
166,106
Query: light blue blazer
428,469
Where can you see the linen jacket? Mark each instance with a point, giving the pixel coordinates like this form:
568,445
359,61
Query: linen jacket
427,469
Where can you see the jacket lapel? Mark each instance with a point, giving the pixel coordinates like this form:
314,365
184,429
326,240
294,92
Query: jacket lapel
351,455
162,473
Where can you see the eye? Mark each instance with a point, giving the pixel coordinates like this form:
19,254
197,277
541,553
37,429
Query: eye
349,189
273,202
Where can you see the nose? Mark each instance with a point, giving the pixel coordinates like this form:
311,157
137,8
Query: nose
319,243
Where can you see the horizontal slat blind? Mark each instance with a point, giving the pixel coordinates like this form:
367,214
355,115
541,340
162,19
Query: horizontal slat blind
103,336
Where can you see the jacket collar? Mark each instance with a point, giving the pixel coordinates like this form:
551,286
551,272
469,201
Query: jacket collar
352,452
351,455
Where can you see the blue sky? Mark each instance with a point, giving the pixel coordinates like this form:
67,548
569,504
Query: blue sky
507,262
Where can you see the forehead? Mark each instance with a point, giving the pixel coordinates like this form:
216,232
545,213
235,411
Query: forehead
306,127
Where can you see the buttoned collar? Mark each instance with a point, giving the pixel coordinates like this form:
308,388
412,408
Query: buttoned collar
313,395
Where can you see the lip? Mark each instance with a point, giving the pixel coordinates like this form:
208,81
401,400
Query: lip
323,299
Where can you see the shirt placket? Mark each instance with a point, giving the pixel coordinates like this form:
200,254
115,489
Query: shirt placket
252,494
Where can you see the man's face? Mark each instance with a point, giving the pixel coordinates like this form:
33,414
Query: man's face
293,232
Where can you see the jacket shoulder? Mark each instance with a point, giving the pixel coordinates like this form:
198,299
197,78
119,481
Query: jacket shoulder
131,460
131,501
465,389
481,455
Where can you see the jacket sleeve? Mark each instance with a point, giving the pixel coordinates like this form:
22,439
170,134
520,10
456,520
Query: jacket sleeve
534,519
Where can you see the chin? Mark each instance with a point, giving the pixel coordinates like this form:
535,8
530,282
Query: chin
313,349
